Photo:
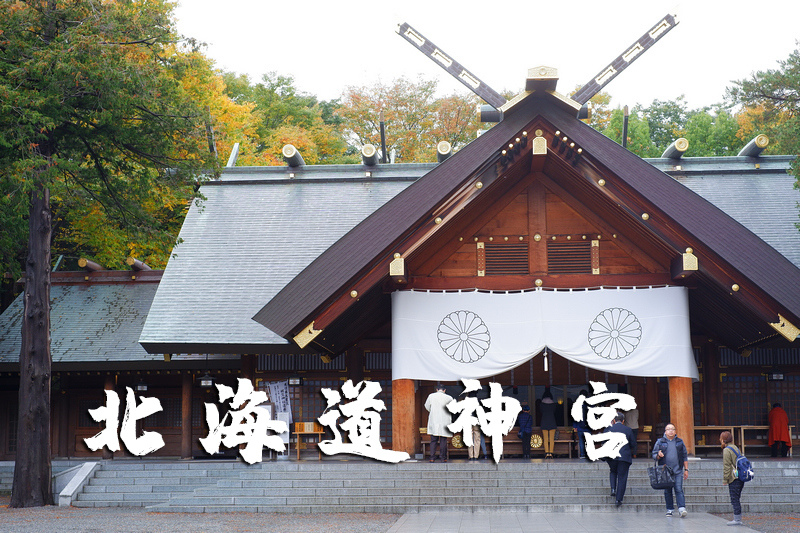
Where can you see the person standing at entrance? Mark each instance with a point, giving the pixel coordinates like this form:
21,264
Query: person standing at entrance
779,436
548,408
438,420
671,451
729,477
618,476
525,423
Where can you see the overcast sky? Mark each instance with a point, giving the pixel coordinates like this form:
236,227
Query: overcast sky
329,45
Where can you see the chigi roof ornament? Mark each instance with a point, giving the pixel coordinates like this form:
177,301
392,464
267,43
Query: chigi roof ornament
539,78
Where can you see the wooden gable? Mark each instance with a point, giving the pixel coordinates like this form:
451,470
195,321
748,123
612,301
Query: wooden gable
535,233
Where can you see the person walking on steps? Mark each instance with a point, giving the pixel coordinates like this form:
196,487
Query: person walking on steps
729,477
618,475
671,451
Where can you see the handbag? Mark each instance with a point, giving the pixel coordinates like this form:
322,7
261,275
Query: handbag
661,477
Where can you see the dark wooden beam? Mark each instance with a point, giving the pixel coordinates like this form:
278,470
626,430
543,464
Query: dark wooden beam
558,281
633,52
451,66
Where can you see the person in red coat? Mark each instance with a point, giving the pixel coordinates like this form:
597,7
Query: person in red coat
778,435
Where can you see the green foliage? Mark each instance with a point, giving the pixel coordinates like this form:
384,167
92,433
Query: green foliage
286,115
712,135
666,121
771,104
638,141
93,106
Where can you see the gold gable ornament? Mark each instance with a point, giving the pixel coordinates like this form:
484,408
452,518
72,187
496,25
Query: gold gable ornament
786,328
307,335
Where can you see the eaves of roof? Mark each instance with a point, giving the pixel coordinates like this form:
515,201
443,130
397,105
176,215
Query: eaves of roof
762,266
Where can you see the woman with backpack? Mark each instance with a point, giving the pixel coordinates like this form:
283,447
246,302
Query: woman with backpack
735,485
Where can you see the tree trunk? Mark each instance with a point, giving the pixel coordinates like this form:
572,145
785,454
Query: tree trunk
32,472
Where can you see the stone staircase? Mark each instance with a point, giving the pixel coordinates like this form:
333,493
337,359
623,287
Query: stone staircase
368,486
7,472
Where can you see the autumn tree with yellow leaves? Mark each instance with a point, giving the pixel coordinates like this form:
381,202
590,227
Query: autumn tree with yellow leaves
102,134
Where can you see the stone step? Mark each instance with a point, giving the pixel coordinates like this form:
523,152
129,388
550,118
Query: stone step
365,486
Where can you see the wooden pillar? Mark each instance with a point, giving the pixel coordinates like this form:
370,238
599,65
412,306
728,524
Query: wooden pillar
110,384
405,427
186,415
681,410
64,432
648,416
249,367
711,388
354,360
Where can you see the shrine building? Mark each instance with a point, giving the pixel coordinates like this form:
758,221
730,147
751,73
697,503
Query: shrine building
540,255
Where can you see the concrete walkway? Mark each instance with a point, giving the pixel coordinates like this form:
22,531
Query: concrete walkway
612,522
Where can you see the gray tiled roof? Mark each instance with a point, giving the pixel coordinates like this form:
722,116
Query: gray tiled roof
88,323
762,199
257,229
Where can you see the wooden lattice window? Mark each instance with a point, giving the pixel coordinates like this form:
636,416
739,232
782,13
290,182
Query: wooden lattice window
506,258
170,416
744,400
569,257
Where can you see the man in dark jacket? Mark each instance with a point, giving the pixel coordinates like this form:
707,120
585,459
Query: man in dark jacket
620,465
525,423
671,450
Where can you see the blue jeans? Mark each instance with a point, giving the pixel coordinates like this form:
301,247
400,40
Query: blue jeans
678,492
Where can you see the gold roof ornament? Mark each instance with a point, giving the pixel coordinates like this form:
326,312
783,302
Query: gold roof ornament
786,328
308,334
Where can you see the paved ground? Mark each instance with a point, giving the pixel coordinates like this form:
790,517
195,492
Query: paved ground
611,522
53,519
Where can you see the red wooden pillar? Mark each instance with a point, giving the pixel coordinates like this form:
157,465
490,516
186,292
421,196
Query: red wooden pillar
405,428
186,415
681,410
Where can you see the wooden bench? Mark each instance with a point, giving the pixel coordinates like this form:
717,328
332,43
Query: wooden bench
755,436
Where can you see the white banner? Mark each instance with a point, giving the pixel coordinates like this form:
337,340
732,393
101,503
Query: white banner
454,335
279,395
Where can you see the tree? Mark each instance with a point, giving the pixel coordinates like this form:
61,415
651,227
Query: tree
666,121
771,101
283,114
599,111
415,119
638,141
91,101
771,104
712,134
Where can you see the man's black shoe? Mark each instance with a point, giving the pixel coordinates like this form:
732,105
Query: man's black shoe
618,503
